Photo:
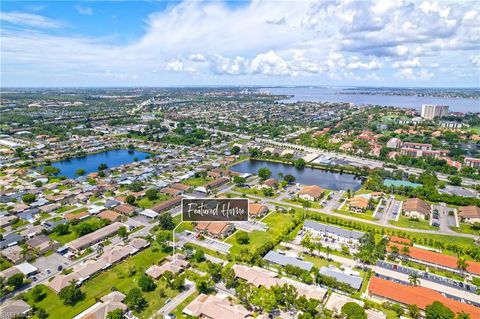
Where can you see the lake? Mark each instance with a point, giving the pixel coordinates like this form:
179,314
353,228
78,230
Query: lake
324,94
90,163
305,176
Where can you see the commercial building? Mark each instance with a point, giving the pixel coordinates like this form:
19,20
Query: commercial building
319,230
416,208
469,214
471,162
430,111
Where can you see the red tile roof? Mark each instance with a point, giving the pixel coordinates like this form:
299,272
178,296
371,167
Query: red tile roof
439,259
420,296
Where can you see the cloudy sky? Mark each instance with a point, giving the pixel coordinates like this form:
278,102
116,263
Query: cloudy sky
119,43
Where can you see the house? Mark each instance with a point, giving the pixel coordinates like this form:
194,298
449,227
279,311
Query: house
311,193
148,213
357,204
32,231
13,253
110,203
215,307
216,183
260,277
77,216
42,244
15,308
174,264
125,209
381,290
10,240
107,303
469,214
416,208
283,260
350,279
394,142
418,146
257,210
269,183
472,162
110,215
167,205
79,244
215,230
323,231
182,187
171,191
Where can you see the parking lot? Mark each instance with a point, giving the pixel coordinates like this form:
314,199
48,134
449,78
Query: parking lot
251,225
49,265
212,244
458,190
441,217
389,211
334,202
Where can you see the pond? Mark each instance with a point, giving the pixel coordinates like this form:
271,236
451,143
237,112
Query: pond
306,176
90,163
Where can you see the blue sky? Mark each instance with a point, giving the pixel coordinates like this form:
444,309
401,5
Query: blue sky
167,43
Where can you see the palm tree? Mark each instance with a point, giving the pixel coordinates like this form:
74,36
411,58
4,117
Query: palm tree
462,264
328,251
413,279
306,205
405,251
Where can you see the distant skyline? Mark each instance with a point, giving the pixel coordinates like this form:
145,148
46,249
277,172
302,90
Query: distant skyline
240,43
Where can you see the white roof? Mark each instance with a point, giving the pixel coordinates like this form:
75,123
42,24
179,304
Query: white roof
149,213
27,268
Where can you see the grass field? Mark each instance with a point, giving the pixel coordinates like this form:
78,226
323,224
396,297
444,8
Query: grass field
411,223
367,215
276,222
103,283
466,229
63,239
250,191
146,203
197,181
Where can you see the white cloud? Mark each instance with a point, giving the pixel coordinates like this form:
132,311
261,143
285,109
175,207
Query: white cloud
29,20
263,39
86,11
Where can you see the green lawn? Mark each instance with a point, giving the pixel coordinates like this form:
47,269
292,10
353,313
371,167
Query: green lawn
367,215
63,239
178,311
4,263
319,262
103,283
65,208
197,181
146,203
412,223
315,205
466,229
251,191
276,223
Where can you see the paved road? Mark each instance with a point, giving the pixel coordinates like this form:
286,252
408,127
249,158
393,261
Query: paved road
172,304
442,218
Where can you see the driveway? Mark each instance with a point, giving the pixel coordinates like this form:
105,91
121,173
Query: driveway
212,244
443,218
173,303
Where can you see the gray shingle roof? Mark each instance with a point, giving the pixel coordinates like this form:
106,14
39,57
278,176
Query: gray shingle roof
352,280
349,234
283,260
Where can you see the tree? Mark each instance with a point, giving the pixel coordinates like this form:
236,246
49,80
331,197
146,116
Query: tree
264,173
238,180
166,222
353,311
214,270
37,293
152,194
168,277
163,239
289,178
199,256
463,315
264,298
122,232
102,167
16,281
41,313
413,279
300,163
50,170
71,294
29,198
413,311
130,199
242,238
135,300
455,180
135,186
80,172
235,150
115,314
178,283
146,283
437,310
229,278
38,183
405,250
62,229
267,191
462,264
204,284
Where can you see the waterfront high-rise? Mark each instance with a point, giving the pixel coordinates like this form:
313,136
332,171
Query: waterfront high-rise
430,111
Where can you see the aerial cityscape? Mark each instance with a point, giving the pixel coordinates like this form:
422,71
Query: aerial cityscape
240,160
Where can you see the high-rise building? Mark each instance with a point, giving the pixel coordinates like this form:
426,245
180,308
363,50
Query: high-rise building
430,111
